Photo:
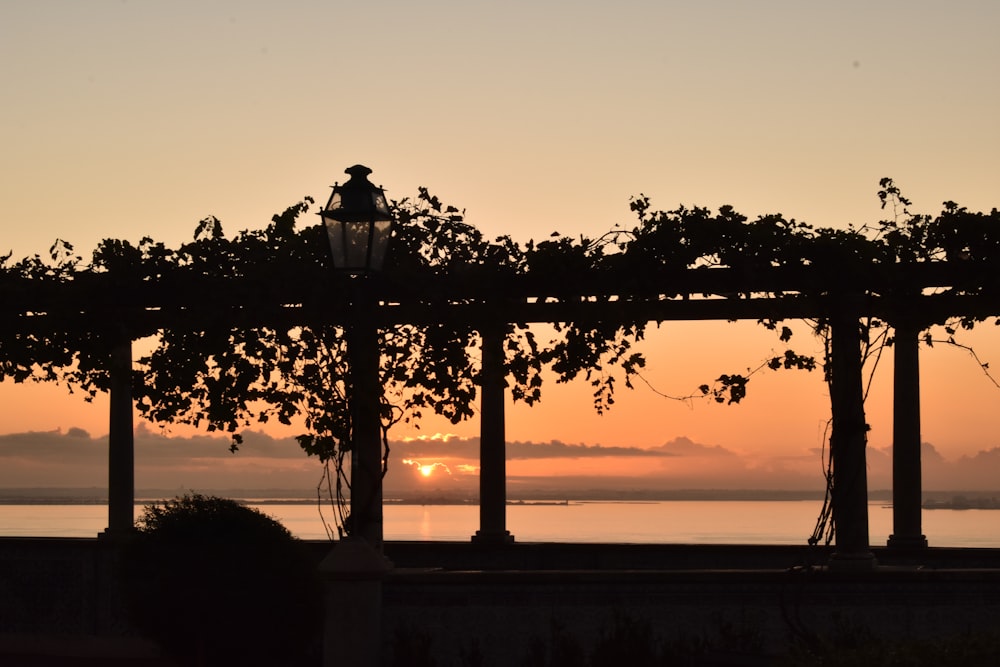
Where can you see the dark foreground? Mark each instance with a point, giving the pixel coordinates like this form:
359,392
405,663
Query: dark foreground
466,604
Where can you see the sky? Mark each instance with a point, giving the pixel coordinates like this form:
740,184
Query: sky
124,119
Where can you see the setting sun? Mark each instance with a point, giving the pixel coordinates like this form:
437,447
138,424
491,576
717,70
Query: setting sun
426,469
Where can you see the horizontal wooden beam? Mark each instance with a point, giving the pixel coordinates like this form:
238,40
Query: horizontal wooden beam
105,302
930,309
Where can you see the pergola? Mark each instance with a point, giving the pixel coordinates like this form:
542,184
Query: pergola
910,297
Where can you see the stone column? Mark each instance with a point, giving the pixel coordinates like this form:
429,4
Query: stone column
492,440
352,631
121,442
848,441
906,474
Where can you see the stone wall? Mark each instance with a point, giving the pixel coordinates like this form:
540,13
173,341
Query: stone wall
457,600
753,613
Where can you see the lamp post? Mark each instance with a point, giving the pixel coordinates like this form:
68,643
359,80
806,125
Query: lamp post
358,224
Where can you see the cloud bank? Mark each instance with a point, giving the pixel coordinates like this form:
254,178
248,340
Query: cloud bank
74,458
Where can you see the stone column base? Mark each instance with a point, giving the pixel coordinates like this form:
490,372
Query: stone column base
491,537
352,634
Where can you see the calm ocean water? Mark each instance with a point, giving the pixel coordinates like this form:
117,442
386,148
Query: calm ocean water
681,522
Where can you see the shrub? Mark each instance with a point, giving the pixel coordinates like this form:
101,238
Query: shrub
214,582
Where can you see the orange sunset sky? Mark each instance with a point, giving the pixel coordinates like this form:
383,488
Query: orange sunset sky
127,119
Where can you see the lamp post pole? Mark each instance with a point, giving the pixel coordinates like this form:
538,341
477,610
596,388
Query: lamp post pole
366,425
359,223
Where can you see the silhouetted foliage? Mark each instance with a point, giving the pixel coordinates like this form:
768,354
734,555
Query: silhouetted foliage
628,642
228,358
965,650
216,583
559,649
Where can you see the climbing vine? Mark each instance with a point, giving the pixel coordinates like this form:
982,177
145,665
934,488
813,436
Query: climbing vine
227,357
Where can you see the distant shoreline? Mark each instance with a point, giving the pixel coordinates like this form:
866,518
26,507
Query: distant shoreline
96,496
964,502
